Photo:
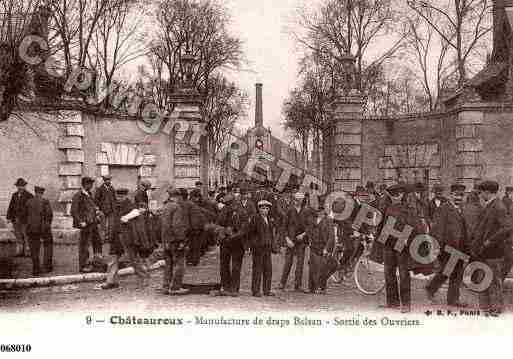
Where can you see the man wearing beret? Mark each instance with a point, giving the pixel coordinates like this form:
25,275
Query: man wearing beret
261,231
105,198
17,214
39,226
449,228
491,238
85,217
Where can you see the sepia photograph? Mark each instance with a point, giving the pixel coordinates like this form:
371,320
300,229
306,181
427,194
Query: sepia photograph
243,178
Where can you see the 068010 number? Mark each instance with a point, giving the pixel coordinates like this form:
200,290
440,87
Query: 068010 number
15,348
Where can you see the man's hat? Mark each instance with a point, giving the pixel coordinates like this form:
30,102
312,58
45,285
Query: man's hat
195,193
396,189
229,198
382,187
509,188
122,191
490,186
87,180
39,189
438,188
458,188
198,183
146,183
370,185
360,189
20,182
299,195
107,177
173,192
419,187
264,203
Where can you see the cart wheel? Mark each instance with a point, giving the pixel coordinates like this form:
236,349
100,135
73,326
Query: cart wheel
369,276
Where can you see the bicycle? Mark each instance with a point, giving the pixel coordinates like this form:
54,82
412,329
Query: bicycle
367,274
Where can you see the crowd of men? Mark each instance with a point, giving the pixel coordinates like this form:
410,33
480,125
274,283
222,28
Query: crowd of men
243,218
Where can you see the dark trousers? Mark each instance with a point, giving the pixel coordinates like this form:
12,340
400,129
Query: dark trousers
508,260
35,251
88,236
297,251
492,298
455,280
262,272
232,255
397,294
174,268
196,242
314,273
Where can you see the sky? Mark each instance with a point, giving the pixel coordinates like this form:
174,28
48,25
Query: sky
264,27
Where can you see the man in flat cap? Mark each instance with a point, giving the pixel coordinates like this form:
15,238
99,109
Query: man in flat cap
17,215
105,198
449,228
298,219
39,227
261,231
491,238
85,217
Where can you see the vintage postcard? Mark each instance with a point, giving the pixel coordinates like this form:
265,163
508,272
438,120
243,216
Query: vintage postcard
236,177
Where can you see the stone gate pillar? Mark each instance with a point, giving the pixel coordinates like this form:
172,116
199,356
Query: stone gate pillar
189,142
469,147
347,142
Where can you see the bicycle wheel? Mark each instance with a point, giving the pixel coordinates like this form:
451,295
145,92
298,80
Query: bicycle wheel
369,276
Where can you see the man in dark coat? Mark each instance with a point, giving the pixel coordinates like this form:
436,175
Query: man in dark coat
261,230
39,227
299,217
508,201
123,243
105,198
141,194
232,246
17,215
179,240
436,202
399,294
449,228
322,241
171,247
491,238
85,217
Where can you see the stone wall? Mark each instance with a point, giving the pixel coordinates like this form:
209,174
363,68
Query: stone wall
119,143
29,149
496,133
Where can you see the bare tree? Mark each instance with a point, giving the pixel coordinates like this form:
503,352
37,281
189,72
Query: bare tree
339,27
200,27
224,106
462,24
